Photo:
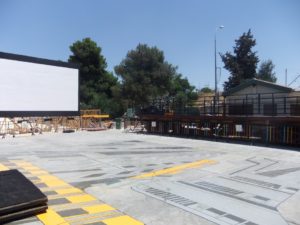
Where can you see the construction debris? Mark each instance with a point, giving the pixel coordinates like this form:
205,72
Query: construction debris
89,120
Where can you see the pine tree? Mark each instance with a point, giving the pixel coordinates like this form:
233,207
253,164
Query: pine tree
242,64
266,72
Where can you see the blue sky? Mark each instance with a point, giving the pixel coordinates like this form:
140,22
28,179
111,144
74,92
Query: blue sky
183,29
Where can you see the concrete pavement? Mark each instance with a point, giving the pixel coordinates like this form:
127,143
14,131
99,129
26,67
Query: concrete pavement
164,180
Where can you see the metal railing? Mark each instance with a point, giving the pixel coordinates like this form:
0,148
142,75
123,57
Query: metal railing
241,105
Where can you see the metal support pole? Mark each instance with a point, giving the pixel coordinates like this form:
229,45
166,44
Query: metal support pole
216,85
216,79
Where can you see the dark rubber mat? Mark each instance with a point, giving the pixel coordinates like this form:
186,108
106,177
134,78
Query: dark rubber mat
17,193
22,214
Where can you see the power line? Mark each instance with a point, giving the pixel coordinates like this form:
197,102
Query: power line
294,80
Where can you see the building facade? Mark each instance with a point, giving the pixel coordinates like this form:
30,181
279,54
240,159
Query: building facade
255,111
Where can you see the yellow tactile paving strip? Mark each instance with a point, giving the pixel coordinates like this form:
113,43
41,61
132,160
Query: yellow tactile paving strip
176,169
2,167
68,205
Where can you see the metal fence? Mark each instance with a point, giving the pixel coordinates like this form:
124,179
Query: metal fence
240,105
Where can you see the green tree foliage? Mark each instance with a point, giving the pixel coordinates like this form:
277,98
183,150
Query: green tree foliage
181,91
98,87
206,90
242,64
146,76
266,71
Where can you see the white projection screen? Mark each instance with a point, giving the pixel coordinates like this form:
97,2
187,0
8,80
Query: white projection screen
37,87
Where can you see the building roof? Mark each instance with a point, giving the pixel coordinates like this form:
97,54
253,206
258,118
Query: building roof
253,82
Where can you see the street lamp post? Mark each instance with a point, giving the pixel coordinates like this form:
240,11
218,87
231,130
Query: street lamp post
216,83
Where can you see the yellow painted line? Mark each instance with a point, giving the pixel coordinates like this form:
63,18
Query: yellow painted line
95,116
52,218
38,172
68,191
55,183
21,163
3,168
176,169
92,218
51,181
67,206
47,177
31,168
98,208
44,189
56,196
122,220
81,198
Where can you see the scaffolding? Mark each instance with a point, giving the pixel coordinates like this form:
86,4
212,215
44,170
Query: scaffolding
22,125
90,120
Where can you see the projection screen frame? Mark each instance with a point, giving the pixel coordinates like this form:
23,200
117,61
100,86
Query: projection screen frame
29,59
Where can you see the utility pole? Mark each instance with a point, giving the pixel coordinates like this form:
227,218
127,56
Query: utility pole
216,82
285,77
